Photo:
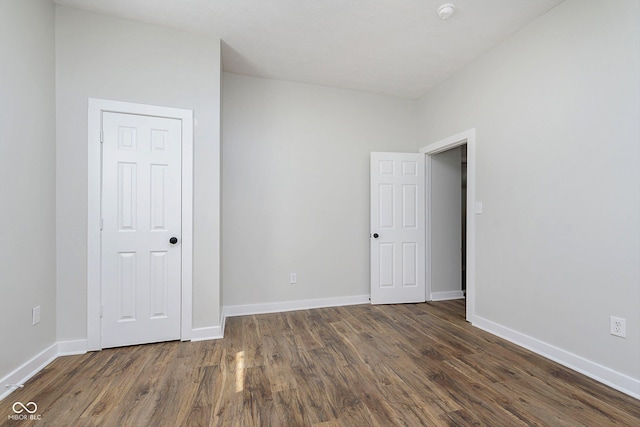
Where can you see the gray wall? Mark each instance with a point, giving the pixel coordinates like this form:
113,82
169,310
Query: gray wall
103,57
27,180
558,171
296,186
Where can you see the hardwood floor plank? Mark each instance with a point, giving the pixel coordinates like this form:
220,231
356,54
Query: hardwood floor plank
121,373
475,398
531,404
396,365
595,390
229,397
489,368
292,408
416,405
252,343
209,353
201,413
176,389
280,377
308,341
312,391
258,401
140,401
355,415
460,418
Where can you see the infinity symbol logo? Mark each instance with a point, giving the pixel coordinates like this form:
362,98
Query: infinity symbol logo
30,407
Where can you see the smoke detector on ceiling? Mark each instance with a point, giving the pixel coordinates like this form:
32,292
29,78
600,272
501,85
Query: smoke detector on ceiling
446,10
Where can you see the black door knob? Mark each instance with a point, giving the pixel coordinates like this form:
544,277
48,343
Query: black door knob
375,235
173,240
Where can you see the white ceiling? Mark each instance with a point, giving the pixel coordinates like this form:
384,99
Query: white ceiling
393,47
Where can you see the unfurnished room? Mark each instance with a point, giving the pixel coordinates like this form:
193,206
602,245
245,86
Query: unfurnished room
320,213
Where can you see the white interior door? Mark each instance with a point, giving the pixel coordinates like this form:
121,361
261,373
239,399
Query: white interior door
397,228
141,215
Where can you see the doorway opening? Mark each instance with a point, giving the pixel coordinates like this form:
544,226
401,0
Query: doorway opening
448,224
468,139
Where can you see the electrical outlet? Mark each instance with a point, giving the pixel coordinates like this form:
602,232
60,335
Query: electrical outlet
618,327
35,315
293,278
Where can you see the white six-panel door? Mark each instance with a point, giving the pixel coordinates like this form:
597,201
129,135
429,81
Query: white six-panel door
398,255
141,213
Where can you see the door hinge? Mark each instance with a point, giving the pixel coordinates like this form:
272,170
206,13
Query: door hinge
101,310
101,223
101,137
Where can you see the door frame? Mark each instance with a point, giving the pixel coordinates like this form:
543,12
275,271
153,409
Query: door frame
467,137
94,196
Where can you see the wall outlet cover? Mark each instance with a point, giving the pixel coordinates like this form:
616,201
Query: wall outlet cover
618,327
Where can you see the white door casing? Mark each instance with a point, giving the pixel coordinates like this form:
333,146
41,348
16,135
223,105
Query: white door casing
141,196
97,109
397,228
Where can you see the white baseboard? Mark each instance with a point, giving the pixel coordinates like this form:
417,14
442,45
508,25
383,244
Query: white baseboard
28,369
444,296
69,348
278,307
208,333
608,376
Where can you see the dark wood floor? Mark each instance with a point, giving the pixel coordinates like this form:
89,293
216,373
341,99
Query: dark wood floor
398,365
